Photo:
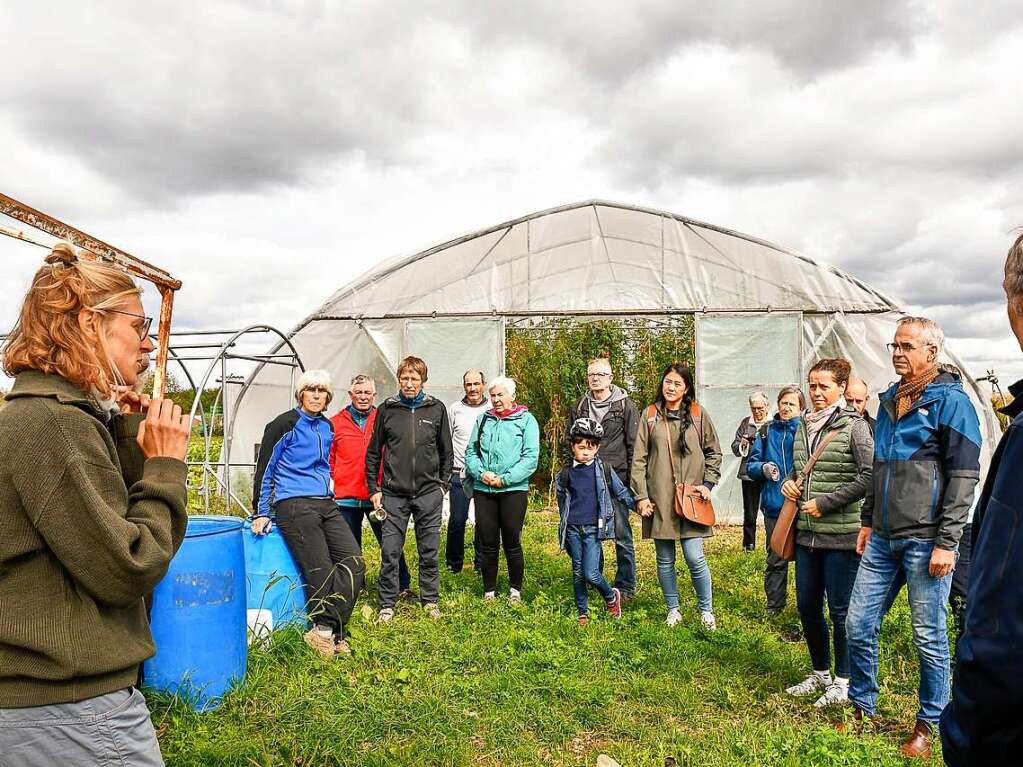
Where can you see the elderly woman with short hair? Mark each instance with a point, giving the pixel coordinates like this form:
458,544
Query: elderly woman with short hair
293,484
750,428
502,454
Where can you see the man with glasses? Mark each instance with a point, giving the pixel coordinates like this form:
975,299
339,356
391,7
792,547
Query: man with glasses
611,407
408,468
926,466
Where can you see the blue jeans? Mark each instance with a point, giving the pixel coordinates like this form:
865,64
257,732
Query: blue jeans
353,516
583,546
454,548
884,561
821,572
625,550
692,550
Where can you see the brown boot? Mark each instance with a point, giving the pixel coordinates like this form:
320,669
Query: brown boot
919,744
856,722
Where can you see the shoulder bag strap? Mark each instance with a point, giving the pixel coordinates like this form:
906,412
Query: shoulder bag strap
805,471
671,455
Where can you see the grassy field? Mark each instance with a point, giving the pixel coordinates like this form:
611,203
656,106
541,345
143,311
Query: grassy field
499,685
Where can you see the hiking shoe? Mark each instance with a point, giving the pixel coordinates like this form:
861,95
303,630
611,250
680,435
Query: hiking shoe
432,610
386,615
515,597
614,607
674,617
813,683
322,643
584,620
707,621
836,692
791,636
341,647
408,595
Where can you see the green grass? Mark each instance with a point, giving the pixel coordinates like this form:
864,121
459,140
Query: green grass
497,685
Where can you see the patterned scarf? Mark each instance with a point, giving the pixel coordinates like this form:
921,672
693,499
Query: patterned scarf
910,389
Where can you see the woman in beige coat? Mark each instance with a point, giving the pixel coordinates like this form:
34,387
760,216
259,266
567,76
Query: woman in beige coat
676,418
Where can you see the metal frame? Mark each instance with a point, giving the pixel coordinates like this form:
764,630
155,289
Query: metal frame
163,281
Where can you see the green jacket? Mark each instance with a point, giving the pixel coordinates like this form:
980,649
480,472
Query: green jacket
509,447
87,528
840,478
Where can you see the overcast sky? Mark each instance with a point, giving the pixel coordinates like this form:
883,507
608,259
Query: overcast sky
267,152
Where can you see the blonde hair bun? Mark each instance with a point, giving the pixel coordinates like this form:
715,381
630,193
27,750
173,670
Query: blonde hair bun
62,253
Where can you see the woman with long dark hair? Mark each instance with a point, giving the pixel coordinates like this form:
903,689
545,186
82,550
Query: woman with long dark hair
676,442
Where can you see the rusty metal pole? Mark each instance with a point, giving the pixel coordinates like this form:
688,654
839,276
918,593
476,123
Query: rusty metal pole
163,341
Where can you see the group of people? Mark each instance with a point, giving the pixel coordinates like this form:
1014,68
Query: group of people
93,504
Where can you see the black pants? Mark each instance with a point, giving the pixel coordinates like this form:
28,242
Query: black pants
499,517
824,573
454,548
960,582
776,573
750,507
425,512
353,516
328,556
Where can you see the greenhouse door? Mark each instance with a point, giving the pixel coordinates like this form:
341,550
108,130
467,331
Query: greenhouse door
452,346
737,354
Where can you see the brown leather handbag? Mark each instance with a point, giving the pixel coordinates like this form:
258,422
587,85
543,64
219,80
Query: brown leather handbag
783,540
689,504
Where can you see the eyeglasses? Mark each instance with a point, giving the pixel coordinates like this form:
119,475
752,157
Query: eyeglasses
598,375
146,324
904,348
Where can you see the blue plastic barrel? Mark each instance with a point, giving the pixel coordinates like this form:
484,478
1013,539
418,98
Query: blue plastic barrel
275,592
198,617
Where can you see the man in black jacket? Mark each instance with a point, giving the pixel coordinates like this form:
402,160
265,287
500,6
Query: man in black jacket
412,438
611,407
857,395
981,726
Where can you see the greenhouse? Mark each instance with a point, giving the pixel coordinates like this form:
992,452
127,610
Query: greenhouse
757,316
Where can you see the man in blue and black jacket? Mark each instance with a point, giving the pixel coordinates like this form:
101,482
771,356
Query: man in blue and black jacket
926,467
983,723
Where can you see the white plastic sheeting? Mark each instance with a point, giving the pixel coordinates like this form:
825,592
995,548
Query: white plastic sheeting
764,314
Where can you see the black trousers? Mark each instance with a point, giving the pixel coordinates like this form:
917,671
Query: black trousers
750,507
776,573
499,517
961,581
328,556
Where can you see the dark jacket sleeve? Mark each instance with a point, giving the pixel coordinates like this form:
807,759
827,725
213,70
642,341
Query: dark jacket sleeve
982,725
861,443
272,434
374,451
116,542
739,434
445,451
711,453
631,430
566,448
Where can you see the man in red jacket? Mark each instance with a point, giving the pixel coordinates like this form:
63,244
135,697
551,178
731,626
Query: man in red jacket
353,427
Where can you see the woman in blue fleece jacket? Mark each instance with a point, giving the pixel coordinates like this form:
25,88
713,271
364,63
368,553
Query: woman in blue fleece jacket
770,460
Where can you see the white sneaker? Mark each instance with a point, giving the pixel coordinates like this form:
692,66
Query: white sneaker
707,621
515,597
818,680
674,617
386,615
489,596
836,692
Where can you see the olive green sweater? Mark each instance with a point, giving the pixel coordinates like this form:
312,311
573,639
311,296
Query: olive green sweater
87,528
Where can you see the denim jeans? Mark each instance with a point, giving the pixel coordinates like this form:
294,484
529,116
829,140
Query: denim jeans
108,729
884,561
820,573
454,548
353,516
625,550
692,550
583,546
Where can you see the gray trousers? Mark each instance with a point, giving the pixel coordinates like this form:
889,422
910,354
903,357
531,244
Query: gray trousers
112,729
776,574
425,511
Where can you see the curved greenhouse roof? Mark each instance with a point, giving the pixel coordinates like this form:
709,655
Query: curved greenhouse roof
598,256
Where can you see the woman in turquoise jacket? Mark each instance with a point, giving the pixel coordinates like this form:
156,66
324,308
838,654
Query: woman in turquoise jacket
501,457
